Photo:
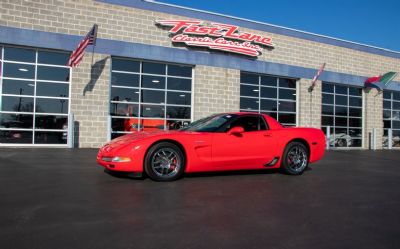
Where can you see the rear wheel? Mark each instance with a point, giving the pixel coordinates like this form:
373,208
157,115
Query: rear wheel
295,158
342,142
164,162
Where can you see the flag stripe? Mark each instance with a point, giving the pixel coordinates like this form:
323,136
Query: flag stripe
373,79
318,73
314,80
77,55
387,77
80,51
381,79
78,59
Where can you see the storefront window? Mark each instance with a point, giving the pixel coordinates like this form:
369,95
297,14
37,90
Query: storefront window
391,118
268,94
149,96
342,112
35,86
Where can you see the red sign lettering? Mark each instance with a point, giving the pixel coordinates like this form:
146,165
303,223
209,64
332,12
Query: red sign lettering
215,35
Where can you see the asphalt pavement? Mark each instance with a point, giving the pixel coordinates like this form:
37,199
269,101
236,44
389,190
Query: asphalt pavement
60,198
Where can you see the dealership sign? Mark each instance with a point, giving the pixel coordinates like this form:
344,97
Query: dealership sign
216,36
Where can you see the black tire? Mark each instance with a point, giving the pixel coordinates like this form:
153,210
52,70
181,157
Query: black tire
164,162
342,142
295,159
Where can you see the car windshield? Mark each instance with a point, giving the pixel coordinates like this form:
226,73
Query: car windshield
209,124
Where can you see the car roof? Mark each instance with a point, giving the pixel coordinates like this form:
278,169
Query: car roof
245,113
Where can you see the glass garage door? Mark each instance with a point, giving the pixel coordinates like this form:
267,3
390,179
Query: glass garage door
391,118
149,96
342,112
35,91
271,95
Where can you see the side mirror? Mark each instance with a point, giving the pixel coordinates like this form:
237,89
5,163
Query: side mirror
237,130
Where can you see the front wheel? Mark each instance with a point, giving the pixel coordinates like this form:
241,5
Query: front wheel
295,158
164,162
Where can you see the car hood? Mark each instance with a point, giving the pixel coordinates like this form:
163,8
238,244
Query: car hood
134,136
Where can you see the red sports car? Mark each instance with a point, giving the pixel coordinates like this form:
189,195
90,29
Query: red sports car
229,141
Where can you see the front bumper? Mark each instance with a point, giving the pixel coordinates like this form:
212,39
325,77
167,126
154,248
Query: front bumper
130,166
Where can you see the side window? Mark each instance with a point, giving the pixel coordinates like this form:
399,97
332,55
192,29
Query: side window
249,123
263,124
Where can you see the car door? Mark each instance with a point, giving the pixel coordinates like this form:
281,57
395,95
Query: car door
253,148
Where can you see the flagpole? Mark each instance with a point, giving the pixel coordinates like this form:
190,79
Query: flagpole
310,91
93,54
79,52
94,41
311,116
311,88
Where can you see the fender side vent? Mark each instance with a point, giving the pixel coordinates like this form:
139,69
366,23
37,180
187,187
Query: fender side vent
273,162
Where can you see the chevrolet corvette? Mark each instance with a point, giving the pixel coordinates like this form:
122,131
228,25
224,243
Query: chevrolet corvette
221,142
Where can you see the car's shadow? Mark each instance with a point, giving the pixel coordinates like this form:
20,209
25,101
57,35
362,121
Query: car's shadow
231,173
126,175
237,172
139,176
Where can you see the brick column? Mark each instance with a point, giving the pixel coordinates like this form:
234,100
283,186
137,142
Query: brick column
309,104
215,90
90,100
373,109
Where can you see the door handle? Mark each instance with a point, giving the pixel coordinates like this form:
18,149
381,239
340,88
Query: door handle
267,135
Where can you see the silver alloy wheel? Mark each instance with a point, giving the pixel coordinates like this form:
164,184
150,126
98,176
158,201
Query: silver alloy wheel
166,162
297,158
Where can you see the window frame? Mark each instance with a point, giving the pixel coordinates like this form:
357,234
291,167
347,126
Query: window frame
34,81
168,122
336,117
225,128
277,100
392,110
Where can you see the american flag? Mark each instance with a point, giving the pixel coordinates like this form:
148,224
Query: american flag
314,80
77,55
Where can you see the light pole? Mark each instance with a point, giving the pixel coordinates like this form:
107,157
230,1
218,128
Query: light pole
62,101
20,100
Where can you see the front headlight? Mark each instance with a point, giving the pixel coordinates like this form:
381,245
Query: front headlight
117,159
